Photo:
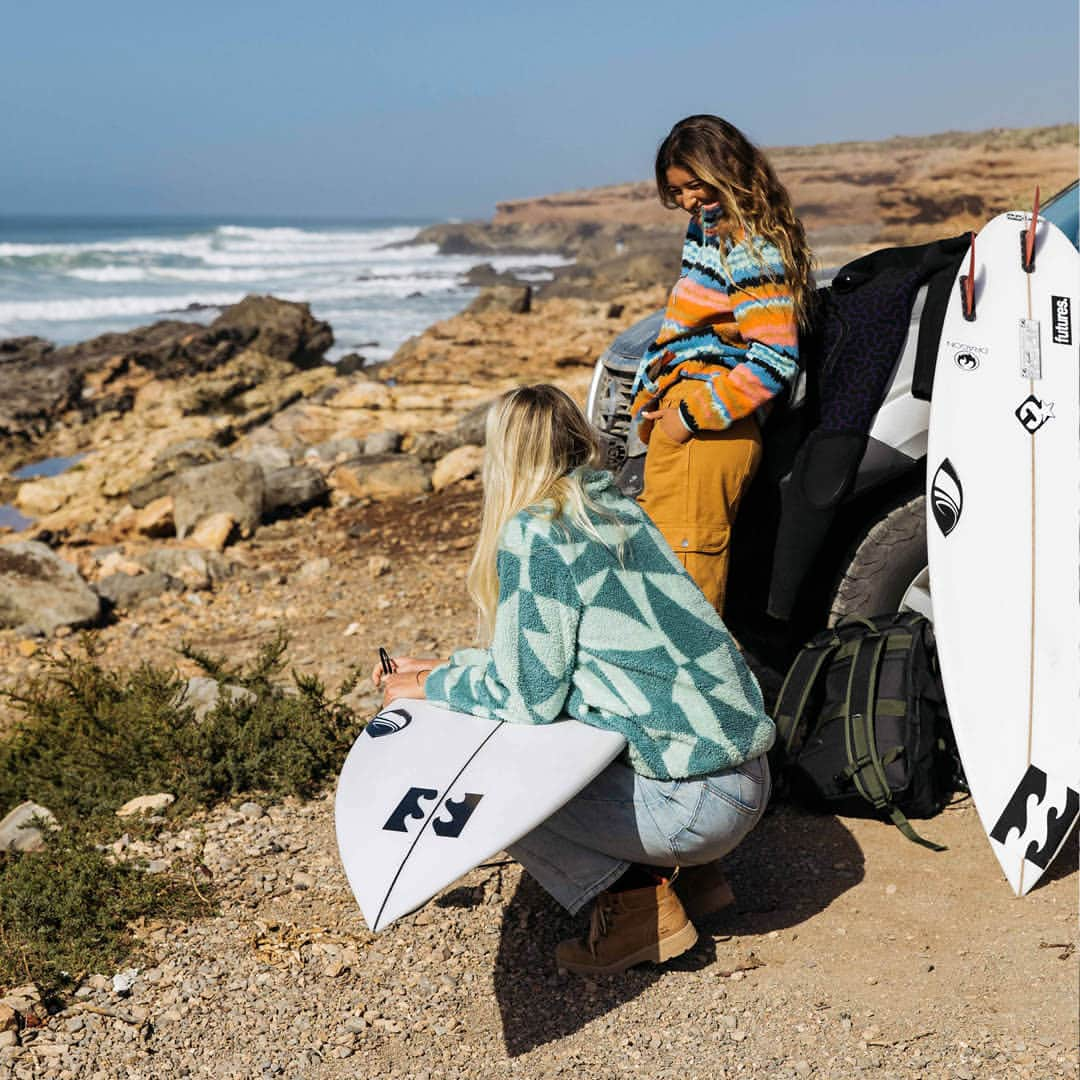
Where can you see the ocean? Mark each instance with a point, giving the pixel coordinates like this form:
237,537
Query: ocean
68,279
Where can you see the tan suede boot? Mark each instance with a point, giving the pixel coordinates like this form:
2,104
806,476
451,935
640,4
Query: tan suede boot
704,890
628,928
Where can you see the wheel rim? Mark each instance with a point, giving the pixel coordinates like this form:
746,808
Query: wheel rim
917,595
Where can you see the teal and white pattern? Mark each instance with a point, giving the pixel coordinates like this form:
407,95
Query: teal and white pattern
633,647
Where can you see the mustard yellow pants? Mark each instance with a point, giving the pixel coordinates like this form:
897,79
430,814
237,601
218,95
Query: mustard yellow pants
692,493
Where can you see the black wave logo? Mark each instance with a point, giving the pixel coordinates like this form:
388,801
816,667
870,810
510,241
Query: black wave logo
946,497
388,723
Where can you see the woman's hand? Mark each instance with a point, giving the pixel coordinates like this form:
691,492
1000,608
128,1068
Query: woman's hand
402,665
404,684
670,423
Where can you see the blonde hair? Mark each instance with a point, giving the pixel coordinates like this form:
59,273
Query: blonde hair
752,197
538,440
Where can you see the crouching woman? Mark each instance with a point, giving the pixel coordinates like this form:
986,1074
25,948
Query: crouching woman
589,614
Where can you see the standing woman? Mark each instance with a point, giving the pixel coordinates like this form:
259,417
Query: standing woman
585,612
728,344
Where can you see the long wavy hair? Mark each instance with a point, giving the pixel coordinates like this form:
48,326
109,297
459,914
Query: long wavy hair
752,197
538,442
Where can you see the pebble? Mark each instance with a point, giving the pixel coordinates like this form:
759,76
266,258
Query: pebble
251,810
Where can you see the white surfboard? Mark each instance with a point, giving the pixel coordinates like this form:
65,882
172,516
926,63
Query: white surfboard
425,795
1003,492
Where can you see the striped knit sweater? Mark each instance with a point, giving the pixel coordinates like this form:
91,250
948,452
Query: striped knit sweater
729,340
629,646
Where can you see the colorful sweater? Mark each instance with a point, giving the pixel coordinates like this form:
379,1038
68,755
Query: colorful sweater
729,341
633,647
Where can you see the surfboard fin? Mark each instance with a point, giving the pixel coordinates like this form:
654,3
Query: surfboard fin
1027,238
967,287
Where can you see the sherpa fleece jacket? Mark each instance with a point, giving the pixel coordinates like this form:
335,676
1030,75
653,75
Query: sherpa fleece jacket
632,647
729,341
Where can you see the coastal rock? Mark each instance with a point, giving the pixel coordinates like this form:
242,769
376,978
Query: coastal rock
156,518
383,479
362,394
36,498
269,457
232,487
41,590
129,590
430,446
485,275
213,532
471,427
146,804
517,299
335,451
197,570
16,832
293,489
278,328
175,458
459,464
383,442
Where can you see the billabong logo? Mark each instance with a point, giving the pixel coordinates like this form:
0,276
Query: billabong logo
966,361
1056,821
1033,413
1061,319
409,809
946,497
388,722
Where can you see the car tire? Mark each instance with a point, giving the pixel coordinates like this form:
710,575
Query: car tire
887,562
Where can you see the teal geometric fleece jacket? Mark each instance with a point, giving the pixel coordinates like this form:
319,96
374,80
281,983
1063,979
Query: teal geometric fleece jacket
634,648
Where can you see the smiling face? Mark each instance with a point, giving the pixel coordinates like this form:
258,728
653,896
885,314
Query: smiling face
688,192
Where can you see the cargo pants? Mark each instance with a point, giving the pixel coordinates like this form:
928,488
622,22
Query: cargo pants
692,494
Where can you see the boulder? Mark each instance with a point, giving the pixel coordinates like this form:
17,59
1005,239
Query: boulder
350,364
485,275
39,589
174,459
516,299
382,479
471,428
334,451
203,693
156,518
383,442
459,464
196,569
129,590
146,804
16,832
279,328
430,446
269,457
362,394
232,487
293,489
213,532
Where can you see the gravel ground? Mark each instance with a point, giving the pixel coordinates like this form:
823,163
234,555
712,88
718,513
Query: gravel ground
850,951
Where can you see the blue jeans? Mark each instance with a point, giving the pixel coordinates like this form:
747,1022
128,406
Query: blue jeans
623,818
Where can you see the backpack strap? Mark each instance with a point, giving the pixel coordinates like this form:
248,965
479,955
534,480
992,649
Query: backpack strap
866,765
795,693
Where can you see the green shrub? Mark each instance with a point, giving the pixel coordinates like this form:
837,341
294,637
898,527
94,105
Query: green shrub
91,738
66,910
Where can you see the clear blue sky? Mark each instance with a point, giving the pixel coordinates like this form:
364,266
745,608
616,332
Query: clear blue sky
366,108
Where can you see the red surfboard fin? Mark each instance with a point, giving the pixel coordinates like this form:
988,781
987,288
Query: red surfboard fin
1027,238
967,287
